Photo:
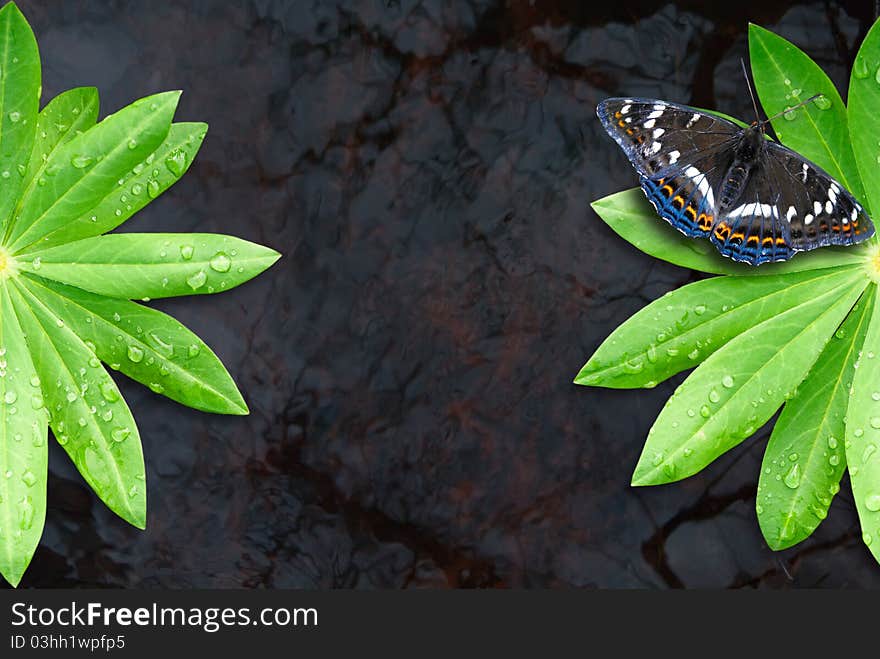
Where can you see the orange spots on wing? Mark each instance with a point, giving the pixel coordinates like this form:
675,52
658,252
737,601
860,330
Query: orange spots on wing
722,231
678,202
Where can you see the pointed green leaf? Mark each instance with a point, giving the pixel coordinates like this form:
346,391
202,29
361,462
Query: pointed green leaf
155,349
863,435
152,265
23,449
740,386
685,326
633,218
784,76
67,115
81,173
805,457
89,418
863,117
140,185
19,103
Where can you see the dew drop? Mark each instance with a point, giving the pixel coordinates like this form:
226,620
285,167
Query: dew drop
193,350
10,397
153,189
822,102
186,252
81,161
860,68
220,262
176,162
120,434
26,513
14,117
135,353
109,392
793,477
789,114
872,502
700,309
875,421
727,382
161,346
197,280
705,412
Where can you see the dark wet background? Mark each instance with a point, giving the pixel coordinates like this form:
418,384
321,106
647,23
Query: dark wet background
426,168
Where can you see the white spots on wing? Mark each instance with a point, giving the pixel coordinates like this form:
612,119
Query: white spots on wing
656,114
790,213
829,207
674,156
627,120
695,117
660,106
845,220
745,209
832,194
655,147
649,123
835,187
817,207
756,209
627,100
658,133
808,219
700,181
804,171
625,108
854,214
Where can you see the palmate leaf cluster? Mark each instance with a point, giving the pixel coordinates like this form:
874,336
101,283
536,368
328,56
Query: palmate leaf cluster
802,335
66,289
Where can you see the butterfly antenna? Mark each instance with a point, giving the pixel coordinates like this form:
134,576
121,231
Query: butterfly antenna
791,109
751,93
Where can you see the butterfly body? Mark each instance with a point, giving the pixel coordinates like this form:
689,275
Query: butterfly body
756,200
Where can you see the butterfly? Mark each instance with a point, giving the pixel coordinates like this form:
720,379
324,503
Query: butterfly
756,200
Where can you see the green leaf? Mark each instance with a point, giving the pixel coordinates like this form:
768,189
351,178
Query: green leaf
19,103
140,185
863,435
633,218
784,76
153,265
89,418
685,326
81,173
23,449
805,459
863,115
741,385
67,115
146,345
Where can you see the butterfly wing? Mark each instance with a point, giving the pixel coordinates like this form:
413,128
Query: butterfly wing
681,154
657,136
789,205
